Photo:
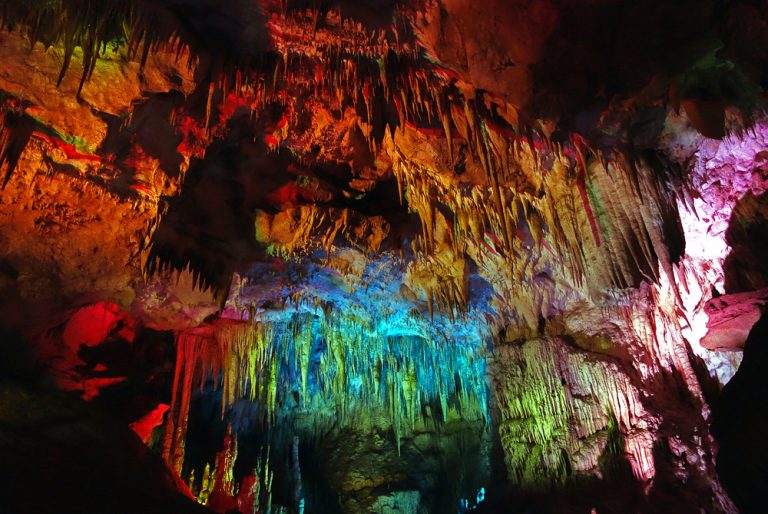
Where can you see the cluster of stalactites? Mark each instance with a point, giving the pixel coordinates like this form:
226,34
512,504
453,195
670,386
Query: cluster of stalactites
91,26
238,358
305,29
400,378
586,224
559,213
302,229
388,82
566,409
338,362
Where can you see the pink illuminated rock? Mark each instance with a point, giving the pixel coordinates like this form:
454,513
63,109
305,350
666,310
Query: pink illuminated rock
172,303
731,318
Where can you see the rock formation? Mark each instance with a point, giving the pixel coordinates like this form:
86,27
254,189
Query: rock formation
414,256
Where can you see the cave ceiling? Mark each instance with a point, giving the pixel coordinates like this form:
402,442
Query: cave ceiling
384,127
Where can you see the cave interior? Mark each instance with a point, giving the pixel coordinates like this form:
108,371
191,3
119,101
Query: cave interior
383,256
